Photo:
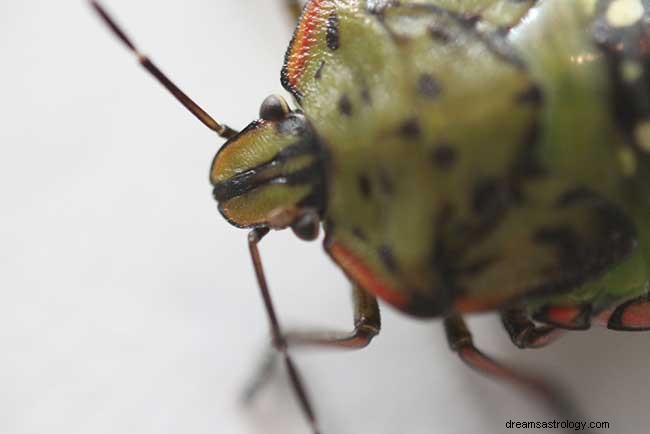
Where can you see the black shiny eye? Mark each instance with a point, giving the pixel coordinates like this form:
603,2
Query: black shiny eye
274,108
307,226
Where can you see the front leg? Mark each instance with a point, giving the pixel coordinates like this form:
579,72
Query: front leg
367,323
279,341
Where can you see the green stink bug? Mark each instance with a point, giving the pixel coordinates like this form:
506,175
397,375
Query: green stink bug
462,157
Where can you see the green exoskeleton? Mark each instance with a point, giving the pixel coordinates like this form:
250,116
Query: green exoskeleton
461,156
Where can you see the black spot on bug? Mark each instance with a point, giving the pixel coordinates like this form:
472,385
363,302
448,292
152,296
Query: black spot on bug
495,43
476,267
386,183
571,250
365,96
388,258
345,106
444,156
527,164
364,186
410,128
533,96
579,258
443,258
359,233
611,235
489,197
578,196
562,236
428,86
439,35
332,36
319,71
470,21
627,56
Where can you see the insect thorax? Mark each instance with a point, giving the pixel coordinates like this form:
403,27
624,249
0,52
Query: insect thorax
442,182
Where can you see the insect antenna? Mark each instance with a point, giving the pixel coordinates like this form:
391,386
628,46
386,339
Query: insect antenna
223,130
279,340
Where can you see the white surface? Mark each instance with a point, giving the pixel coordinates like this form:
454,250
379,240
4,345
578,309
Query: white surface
128,305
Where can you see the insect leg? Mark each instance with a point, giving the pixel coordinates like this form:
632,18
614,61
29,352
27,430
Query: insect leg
279,341
367,323
460,341
525,333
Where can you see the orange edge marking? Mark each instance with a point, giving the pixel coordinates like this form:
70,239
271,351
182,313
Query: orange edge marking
636,315
563,315
364,276
302,41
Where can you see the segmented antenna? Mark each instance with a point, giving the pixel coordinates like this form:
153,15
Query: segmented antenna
223,130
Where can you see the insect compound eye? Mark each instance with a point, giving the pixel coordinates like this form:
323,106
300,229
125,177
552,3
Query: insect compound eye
274,108
307,226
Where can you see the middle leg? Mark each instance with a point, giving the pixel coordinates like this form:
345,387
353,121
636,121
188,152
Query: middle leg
367,324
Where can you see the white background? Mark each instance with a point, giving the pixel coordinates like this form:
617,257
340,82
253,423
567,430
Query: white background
128,305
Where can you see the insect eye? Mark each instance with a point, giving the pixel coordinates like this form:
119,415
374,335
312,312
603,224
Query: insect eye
274,108
307,226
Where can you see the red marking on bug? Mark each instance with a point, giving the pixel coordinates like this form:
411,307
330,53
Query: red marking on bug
563,315
364,277
636,315
304,39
